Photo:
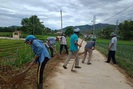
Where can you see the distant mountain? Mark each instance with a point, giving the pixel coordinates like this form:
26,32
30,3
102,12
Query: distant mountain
86,28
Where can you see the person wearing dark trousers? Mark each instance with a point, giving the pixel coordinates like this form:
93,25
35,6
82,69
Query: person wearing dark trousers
111,55
63,43
66,48
112,49
41,57
40,70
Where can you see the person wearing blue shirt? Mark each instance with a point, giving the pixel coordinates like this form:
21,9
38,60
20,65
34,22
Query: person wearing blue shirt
89,47
41,57
51,44
73,48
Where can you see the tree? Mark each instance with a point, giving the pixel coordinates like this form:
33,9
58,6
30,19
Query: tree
105,33
69,31
32,25
126,30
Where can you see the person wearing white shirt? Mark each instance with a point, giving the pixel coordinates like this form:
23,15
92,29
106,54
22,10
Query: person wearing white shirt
63,43
112,48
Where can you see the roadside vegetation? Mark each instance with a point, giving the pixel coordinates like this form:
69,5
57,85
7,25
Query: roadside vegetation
15,56
14,53
124,55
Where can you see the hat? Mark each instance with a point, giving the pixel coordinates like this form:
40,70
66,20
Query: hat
76,30
112,34
29,37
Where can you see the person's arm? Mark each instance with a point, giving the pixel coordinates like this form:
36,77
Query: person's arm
77,44
93,48
34,61
110,46
112,43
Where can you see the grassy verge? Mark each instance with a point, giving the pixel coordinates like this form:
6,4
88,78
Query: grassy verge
124,55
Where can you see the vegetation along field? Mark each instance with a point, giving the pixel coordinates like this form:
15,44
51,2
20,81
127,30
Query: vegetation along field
124,55
15,56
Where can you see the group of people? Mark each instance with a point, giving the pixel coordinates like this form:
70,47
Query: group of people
90,45
51,44
42,55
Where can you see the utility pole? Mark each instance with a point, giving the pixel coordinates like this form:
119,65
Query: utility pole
61,19
94,20
116,28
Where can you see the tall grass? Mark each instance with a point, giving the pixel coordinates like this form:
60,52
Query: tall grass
14,53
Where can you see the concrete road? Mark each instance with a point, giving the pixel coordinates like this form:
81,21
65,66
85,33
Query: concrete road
98,75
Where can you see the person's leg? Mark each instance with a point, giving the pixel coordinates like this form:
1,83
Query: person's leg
109,57
67,60
76,60
40,70
61,46
113,57
85,54
66,49
90,55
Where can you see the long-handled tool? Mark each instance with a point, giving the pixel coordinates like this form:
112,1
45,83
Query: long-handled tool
16,79
75,59
57,53
19,77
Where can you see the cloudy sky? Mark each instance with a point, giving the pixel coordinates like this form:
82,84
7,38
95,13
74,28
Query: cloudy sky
74,12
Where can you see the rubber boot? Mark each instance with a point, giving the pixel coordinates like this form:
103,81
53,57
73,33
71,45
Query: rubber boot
40,86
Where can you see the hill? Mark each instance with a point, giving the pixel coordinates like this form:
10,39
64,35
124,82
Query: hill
86,28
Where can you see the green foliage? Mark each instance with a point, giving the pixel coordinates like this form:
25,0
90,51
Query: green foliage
9,29
14,52
5,34
126,30
69,31
105,33
32,25
23,56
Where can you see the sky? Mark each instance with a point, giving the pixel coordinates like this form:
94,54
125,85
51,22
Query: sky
74,12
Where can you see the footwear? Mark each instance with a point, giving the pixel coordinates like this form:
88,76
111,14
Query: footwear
114,63
39,86
82,61
106,62
88,63
64,67
77,67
